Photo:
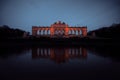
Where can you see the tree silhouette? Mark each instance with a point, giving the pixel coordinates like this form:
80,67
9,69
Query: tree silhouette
7,32
112,31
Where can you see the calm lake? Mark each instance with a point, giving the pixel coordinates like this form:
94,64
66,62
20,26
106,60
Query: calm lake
59,63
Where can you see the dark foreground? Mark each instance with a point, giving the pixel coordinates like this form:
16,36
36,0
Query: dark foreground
59,42
60,63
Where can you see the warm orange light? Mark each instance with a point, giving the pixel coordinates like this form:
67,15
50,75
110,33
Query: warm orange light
60,27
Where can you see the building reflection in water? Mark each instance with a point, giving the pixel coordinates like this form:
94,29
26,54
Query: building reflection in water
59,55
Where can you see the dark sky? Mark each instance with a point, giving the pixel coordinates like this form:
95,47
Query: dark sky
24,14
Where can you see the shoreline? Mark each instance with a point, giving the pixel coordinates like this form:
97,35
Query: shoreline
59,42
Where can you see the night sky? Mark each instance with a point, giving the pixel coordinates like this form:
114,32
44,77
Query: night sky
24,14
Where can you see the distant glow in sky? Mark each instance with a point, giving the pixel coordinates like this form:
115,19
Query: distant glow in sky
24,14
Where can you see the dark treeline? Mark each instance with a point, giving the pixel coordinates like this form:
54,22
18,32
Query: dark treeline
7,32
112,31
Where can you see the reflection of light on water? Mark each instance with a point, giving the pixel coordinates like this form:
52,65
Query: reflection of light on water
59,55
76,63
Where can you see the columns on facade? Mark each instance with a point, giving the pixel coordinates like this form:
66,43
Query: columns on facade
79,33
84,31
41,32
76,31
66,31
48,31
51,31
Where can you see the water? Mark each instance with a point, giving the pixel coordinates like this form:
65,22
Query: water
35,63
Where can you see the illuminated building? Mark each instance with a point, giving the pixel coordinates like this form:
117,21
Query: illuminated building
59,29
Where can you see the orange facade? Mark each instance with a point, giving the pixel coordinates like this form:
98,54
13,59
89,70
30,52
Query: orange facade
59,29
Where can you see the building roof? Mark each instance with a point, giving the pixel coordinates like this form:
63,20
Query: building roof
59,22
